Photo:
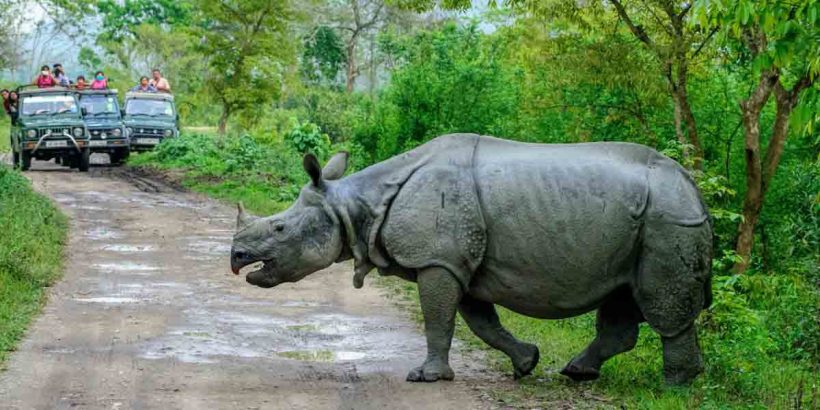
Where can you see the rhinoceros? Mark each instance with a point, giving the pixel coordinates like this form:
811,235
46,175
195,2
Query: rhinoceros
546,230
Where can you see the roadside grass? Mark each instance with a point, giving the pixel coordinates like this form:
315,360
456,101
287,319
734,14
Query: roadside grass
746,367
31,245
5,126
265,177
760,338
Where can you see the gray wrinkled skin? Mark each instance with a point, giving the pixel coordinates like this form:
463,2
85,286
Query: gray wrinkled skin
549,231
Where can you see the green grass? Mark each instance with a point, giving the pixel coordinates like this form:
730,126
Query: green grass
743,370
5,125
31,245
760,338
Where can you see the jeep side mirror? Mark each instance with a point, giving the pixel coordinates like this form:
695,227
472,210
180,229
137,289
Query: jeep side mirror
84,111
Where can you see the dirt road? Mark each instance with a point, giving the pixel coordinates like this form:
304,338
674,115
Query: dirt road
148,316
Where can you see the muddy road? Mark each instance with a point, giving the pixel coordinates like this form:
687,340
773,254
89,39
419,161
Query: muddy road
148,316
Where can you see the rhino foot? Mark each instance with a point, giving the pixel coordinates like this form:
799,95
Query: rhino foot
431,371
525,367
579,372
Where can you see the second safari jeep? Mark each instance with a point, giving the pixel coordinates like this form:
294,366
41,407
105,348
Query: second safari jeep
101,112
49,125
150,118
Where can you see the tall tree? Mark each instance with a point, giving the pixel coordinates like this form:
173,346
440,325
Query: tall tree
248,49
778,40
356,19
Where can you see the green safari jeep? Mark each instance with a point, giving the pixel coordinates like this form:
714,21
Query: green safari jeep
101,112
150,118
49,125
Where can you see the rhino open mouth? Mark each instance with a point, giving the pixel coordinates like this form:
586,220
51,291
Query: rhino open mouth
263,277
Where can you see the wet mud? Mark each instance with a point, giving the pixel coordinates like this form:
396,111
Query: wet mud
148,316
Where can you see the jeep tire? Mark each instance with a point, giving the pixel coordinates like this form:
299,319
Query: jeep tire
84,159
25,160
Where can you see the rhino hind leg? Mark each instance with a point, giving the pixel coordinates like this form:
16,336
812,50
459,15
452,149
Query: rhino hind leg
439,294
483,320
617,332
673,287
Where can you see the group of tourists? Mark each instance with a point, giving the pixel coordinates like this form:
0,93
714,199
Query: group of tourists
49,77
56,77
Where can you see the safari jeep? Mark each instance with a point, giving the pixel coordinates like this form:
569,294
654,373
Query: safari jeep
101,112
150,118
49,125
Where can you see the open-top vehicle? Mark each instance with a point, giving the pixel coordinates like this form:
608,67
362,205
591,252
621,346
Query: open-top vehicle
49,125
150,118
102,115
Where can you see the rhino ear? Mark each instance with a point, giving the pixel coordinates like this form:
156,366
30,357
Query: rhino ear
336,167
313,169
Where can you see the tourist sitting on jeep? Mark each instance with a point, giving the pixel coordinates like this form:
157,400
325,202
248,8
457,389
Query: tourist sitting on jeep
100,81
144,86
45,79
81,84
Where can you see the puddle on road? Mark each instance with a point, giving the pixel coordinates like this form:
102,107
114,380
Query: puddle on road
108,300
122,248
101,233
321,355
215,335
124,267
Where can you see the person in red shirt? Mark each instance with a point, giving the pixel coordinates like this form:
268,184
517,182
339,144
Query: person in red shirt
45,79
81,84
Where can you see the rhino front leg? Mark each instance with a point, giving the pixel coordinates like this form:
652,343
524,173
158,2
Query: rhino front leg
483,320
440,293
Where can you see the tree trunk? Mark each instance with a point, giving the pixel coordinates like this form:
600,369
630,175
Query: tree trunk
223,119
691,126
753,199
351,63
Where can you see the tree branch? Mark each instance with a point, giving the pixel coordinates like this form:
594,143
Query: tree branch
637,30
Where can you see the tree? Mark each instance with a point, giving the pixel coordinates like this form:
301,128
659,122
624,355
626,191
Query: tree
777,40
248,51
323,56
121,18
356,18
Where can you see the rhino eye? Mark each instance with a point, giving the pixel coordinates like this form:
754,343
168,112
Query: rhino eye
279,227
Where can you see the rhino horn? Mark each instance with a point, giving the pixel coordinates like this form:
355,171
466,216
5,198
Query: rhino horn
242,219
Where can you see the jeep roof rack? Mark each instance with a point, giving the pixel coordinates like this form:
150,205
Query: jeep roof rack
149,96
33,89
101,92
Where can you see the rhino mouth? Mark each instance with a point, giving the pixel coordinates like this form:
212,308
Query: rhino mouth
263,277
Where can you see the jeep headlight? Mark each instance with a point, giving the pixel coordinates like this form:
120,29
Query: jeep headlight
168,133
129,131
31,133
78,132
116,132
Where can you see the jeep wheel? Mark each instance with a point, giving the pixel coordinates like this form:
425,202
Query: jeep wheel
25,160
58,159
84,159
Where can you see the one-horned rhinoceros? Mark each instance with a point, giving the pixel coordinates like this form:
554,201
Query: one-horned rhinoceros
546,230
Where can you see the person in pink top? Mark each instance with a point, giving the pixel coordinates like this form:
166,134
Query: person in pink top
45,79
100,81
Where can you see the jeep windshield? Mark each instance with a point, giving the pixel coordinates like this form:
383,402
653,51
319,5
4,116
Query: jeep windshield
100,105
150,108
48,105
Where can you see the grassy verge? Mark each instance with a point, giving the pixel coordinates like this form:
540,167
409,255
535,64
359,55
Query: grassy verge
4,133
760,338
755,346
31,244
